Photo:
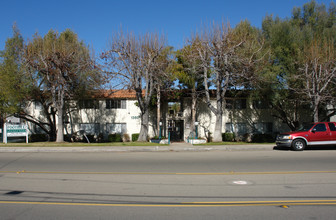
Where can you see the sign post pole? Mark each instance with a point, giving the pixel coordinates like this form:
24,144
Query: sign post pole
5,133
26,127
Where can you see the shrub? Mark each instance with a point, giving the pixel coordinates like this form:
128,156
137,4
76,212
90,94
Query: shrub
67,138
100,138
135,137
91,138
38,138
157,137
114,138
228,136
262,138
126,138
247,137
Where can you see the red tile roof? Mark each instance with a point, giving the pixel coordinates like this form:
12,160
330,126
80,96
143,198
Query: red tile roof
116,94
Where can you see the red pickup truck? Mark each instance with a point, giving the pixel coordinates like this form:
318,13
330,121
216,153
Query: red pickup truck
320,133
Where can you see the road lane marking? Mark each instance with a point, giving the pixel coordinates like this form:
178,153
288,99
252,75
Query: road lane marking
240,182
269,201
167,173
187,204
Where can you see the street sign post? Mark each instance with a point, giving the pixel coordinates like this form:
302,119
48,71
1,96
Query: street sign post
15,130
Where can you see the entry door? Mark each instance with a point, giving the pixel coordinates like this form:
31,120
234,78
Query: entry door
175,127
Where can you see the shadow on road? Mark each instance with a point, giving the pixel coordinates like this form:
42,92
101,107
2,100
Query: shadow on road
309,148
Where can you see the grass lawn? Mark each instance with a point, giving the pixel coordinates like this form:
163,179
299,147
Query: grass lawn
77,144
232,143
80,144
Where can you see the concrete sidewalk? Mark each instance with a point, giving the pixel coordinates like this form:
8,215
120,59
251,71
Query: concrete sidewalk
174,147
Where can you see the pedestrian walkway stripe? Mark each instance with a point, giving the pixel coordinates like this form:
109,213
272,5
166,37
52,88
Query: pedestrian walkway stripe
167,173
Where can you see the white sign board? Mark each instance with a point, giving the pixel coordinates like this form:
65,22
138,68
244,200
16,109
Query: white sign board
15,130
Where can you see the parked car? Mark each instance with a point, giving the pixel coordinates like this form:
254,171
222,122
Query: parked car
320,133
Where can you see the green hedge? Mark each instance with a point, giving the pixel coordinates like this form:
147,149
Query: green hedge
262,138
228,136
38,138
135,137
91,138
114,138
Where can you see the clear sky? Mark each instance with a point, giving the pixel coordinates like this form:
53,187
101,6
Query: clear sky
94,21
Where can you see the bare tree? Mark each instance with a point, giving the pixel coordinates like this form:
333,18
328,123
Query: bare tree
318,74
228,55
133,62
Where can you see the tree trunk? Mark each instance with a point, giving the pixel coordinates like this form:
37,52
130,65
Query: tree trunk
220,94
158,117
217,137
60,127
193,111
53,129
316,112
144,125
219,120
59,106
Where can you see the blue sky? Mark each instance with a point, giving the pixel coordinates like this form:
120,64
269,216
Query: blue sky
95,21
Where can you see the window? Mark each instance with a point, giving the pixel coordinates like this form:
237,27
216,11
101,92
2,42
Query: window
229,128
115,104
263,127
332,126
305,127
260,104
240,104
239,128
90,128
88,104
320,127
116,128
229,104
235,103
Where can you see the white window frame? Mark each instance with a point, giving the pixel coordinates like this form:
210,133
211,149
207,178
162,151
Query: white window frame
115,103
90,128
238,128
116,128
263,127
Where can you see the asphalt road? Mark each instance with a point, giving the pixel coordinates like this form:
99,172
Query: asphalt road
169,185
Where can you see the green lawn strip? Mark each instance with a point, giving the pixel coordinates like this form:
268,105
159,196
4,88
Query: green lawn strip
230,143
66,144
108,144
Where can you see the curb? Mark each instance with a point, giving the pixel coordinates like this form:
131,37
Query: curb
170,148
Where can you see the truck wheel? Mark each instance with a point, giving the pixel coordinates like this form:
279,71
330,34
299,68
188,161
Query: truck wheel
298,145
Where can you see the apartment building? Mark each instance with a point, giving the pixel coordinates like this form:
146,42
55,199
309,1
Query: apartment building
116,111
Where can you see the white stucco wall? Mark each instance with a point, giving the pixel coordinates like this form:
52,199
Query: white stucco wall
246,118
103,116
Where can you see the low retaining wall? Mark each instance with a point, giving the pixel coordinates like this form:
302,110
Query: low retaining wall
163,141
197,141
